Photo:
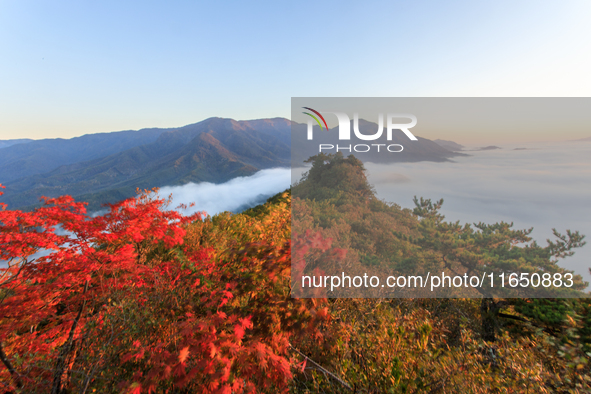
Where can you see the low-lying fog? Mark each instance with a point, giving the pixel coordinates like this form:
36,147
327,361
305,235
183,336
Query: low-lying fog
234,195
545,186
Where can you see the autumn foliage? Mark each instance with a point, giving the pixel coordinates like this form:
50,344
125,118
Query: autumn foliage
143,299
123,303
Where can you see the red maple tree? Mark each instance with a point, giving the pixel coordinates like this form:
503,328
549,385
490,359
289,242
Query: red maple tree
122,303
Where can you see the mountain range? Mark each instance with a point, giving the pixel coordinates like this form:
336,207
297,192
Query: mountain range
422,149
7,143
101,168
108,167
32,157
452,146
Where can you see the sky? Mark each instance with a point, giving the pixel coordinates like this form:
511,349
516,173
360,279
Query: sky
69,68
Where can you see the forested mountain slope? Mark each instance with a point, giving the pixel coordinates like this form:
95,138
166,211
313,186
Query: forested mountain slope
41,156
214,150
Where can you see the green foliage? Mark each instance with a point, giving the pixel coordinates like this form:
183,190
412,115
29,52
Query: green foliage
336,178
263,209
552,313
437,345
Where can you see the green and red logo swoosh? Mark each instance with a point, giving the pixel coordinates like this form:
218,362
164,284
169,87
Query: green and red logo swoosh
315,118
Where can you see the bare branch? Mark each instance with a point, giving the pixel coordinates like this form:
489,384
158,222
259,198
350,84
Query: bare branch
321,369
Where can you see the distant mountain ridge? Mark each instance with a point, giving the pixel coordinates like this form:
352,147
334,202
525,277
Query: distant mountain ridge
214,150
7,143
108,167
422,149
452,146
41,156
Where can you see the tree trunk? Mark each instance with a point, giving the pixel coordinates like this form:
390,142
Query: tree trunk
488,316
10,368
67,348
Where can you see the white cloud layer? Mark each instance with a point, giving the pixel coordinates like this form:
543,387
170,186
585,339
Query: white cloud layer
233,195
236,194
545,186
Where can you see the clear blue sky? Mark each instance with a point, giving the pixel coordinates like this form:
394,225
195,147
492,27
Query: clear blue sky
69,68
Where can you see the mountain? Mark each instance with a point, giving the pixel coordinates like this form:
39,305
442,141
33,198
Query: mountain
214,150
41,156
421,150
450,145
108,167
7,143
490,147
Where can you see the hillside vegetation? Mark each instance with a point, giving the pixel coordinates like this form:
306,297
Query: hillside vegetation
144,300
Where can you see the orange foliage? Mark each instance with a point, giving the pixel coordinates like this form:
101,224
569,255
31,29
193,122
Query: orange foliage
120,302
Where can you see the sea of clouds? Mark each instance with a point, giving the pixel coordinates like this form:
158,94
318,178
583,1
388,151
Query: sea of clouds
544,186
234,196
